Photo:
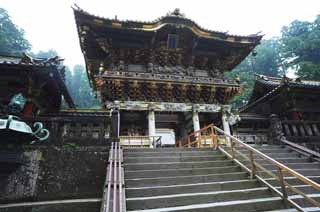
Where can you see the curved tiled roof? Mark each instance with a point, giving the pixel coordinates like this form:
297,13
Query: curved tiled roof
174,18
27,60
272,85
275,81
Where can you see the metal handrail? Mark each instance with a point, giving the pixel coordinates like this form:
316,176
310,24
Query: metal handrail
307,151
299,122
206,133
281,170
114,184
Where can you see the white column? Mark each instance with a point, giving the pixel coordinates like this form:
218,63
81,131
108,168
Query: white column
151,125
225,123
195,120
118,123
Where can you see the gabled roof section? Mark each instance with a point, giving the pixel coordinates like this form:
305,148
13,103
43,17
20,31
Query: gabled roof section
27,60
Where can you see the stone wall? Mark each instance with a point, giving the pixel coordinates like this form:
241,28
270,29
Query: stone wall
55,172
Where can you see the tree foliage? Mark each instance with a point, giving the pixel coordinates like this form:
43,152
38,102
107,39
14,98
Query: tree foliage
78,85
12,40
76,81
300,42
265,60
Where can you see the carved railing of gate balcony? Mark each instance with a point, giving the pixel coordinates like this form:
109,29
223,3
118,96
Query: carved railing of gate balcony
205,137
79,128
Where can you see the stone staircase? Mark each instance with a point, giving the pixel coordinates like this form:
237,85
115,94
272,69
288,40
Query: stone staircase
172,179
296,161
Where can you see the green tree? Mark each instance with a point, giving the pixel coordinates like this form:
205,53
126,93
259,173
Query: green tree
300,43
12,40
76,82
79,88
266,60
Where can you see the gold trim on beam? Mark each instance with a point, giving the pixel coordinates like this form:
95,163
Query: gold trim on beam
231,39
150,26
116,24
98,21
162,106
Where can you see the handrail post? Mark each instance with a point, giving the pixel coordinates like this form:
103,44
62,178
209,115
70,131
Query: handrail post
253,166
283,186
115,175
232,148
214,137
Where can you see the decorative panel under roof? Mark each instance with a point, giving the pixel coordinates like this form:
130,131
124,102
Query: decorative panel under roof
172,43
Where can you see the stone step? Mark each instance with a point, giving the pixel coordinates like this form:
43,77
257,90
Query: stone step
171,154
304,203
274,204
267,151
191,188
292,180
275,156
304,188
125,150
309,209
178,165
305,172
292,165
195,198
165,181
280,155
286,160
266,147
173,159
180,172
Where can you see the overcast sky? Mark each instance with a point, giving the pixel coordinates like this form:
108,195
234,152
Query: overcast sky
50,23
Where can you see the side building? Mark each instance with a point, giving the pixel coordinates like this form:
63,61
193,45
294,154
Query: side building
282,107
71,163
39,81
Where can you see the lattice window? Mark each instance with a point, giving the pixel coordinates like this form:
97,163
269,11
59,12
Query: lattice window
172,42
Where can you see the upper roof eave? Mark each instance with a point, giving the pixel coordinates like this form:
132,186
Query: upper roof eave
163,21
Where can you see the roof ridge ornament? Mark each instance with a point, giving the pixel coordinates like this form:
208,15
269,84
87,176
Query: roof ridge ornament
176,12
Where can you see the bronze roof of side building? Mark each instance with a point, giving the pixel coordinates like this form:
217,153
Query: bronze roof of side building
27,66
266,87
